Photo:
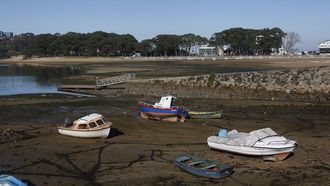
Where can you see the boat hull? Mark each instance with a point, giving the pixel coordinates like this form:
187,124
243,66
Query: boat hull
220,173
251,151
99,133
205,115
268,154
263,142
166,114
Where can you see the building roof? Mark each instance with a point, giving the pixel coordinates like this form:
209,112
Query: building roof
206,47
325,44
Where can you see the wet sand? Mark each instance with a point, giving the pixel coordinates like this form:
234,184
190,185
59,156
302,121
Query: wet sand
140,152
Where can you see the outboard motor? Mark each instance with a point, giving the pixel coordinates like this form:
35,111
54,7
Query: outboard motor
67,122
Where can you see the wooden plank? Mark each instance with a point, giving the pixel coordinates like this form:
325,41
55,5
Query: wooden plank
63,87
209,166
114,80
195,163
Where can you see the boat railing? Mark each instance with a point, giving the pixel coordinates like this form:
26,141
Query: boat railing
145,104
279,141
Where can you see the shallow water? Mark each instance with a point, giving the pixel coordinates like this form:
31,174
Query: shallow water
12,85
27,79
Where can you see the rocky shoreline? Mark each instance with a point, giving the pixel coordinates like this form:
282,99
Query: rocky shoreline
303,84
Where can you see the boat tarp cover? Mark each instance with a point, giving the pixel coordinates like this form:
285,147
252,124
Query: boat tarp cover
243,139
10,180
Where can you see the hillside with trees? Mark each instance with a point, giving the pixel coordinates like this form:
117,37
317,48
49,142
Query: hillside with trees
234,41
249,41
73,44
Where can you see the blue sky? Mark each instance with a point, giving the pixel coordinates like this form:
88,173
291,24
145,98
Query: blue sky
148,18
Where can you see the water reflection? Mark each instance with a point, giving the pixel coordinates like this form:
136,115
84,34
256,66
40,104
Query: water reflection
27,79
11,85
42,73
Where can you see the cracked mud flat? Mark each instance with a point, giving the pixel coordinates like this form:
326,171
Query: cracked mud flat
141,151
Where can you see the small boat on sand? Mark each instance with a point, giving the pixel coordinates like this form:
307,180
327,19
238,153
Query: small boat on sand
163,110
90,126
263,142
8,180
205,115
202,167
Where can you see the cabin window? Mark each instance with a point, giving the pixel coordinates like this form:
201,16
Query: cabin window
83,126
99,122
105,120
92,125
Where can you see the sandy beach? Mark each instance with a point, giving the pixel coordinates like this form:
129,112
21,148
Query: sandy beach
140,151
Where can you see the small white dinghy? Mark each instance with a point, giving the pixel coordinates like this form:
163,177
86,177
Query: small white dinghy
263,142
90,126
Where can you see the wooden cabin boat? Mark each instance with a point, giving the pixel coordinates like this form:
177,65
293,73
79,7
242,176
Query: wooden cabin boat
90,126
202,167
263,142
163,110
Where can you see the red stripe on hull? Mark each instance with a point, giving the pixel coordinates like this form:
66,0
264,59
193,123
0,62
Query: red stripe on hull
157,114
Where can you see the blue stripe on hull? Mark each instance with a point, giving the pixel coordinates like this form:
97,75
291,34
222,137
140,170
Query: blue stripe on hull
164,112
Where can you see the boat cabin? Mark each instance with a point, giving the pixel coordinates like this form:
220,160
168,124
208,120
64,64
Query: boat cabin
166,102
90,121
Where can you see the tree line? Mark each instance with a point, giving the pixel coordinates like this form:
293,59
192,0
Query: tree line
233,41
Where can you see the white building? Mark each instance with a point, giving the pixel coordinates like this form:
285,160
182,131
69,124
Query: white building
278,51
205,50
324,46
6,35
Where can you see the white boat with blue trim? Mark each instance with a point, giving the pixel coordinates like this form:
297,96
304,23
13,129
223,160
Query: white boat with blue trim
9,180
263,142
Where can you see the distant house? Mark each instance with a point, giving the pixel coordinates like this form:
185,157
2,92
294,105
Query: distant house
6,35
136,55
205,50
278,51
324,46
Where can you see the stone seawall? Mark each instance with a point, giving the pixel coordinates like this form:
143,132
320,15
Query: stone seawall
306,84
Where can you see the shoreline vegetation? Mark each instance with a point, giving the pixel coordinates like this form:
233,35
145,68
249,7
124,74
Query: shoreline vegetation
229,42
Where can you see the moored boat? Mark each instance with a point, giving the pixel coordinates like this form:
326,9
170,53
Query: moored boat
90,126
163,110
201,167
263,142
205,115
8,180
